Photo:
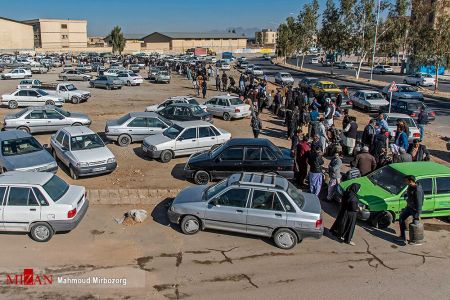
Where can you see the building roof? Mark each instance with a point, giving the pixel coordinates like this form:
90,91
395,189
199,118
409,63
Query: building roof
53,20
200,35
11,20
133,36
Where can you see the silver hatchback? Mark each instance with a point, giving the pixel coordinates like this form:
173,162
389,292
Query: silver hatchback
253,203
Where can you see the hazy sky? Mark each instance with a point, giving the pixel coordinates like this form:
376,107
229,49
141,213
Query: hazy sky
139,16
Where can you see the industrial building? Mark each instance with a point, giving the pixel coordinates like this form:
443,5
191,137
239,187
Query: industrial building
15,36
55,35
179,42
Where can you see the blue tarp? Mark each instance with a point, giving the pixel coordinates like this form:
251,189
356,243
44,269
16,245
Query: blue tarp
431,70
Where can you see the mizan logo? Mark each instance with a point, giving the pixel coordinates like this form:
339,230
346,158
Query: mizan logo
29,278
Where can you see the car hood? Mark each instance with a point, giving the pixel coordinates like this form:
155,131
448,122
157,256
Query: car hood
199,156
410,95
190,194
331,90
156,139
378,102
28,160
311,204
92,155
369,193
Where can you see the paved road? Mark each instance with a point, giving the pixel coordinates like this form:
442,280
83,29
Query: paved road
440,126
444,86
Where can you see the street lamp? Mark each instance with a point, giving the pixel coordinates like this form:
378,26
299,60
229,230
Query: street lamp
375,39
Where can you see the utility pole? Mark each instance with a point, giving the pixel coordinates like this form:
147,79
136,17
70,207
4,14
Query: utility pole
375,39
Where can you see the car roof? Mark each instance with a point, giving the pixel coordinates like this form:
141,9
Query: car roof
396,115
249,142
78,130
21,177
40,107
367,91
421,168
183,104
13,134
143,114
326,82
258,179
225,97
186,124
310,78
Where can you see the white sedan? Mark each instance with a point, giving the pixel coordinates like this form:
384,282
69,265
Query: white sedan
228,107
18,73
257,71
393,118
422,79
30,97
130,78
368,100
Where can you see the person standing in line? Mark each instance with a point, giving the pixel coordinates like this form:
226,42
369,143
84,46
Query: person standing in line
256,124
418,151
330,110
217,82
277,103
365,162
224,82
401,138
350,133
414,202
315,172
369,134
301,157
322,133
422,121
334,171
204,88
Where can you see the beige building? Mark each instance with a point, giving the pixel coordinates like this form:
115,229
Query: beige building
179,42
96,41
15,36
266,37
133,43
53,34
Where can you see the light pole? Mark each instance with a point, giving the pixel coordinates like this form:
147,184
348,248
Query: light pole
375,39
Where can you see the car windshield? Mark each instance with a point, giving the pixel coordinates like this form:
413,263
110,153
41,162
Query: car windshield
56,188
18,114
425,75
173,131
215,189
415,106
374,96
85,142
197,110
286,75
406,88
329,86
388,178
393,121
20,146
164,73
63,112
71,87
42,92
295,195
236,101
386,67
193,101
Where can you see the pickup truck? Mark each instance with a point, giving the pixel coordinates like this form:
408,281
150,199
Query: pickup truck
66,91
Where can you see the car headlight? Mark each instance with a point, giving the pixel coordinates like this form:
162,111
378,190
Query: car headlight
111,160
361,206
153,148
82,164
52,164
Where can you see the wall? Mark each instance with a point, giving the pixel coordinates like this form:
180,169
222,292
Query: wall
74,50
217,45
15,36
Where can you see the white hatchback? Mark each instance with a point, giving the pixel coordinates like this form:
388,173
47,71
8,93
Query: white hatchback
40,203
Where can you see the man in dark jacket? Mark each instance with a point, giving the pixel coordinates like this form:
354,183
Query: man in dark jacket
414,202
365,162
369,133
418,151
315,172
422,121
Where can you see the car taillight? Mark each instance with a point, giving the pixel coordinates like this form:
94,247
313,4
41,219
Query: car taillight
432,113
413,115
319,223
71,213
236,110
416,135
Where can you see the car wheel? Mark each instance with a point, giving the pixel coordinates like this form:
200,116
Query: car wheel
24,129
166,156
128,83
201,177
124,140
382,220
49,102
108,87
64,78
77,124
190,225
226,117
41,232
13,104
73,174
91,84
75,100
285,238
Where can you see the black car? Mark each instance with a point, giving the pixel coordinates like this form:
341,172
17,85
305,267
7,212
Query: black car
410,107
239,155
185,112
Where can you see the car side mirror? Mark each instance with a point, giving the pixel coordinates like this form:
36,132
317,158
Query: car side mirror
38,96
64,148
180,138
45,146
214,202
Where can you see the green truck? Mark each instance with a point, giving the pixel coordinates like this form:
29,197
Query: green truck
382,194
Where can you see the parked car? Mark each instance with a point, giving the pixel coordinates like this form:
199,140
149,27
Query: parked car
74,75
314,60
112,72
284,78
306,83
153,72
368,100
30,97
382,193
130,78
249,69
163,77
345,65
107,82
257,71
326,63
82,151
22,152
44,119
239,155
410,108
419,79
38,69
134,127
243,64
250,203
19,73
185,112
67,67
29,83
40,204
392,120
383,69
405,91
67,91
173,100
223,65
184,138
323,86
228,107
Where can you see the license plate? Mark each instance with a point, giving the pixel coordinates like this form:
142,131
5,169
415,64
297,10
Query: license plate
99,169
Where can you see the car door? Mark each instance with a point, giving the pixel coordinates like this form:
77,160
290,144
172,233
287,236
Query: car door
36,121
228,210
428,205
62,147
55,120
15,74
63,93
138,129
21,97
206,138
21,209
186,142
211,106
155,126
442,196
252,159
228,162
2,206
33,98
265,213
